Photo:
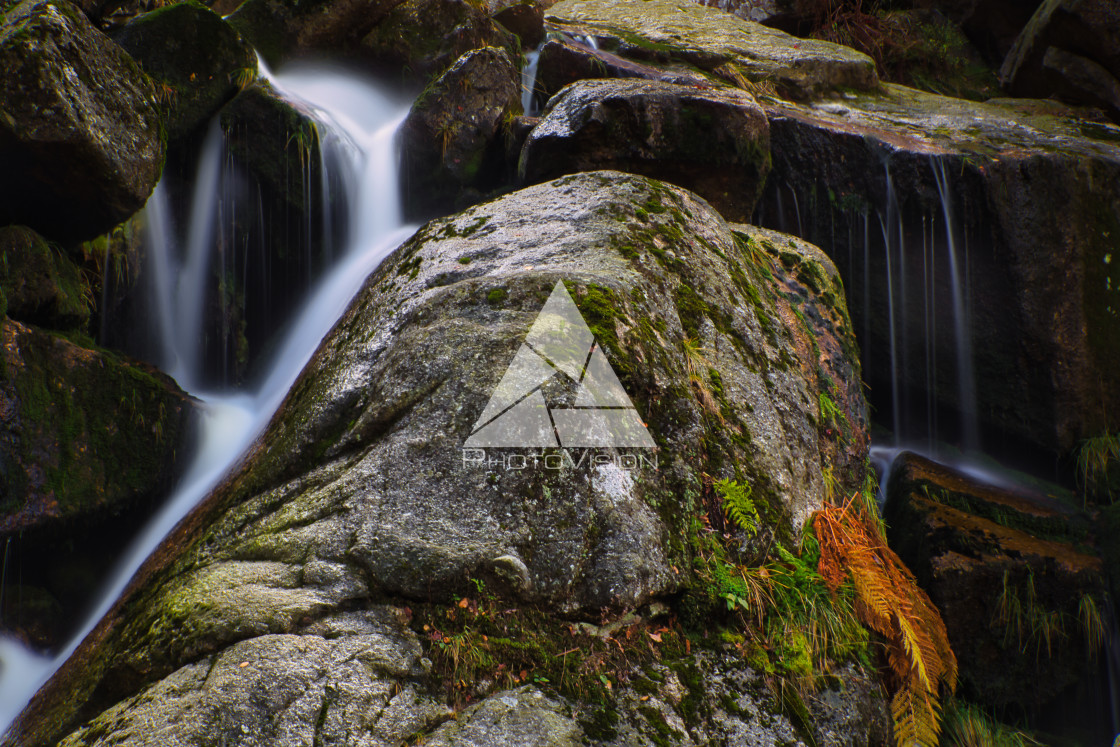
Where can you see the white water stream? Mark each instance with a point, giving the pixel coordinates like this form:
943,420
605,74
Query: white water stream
357,123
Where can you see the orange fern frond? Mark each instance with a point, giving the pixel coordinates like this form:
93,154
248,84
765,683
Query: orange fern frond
917,720
890,602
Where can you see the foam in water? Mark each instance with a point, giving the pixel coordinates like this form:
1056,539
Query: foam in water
359,121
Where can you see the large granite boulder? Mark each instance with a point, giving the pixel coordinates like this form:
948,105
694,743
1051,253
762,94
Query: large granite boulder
363,678
453,142
1069,49
196,58
715,141
416,452
80,131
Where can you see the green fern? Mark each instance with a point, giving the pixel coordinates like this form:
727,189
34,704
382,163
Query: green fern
738,506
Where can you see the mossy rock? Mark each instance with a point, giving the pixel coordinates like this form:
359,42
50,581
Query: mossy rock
563,62
1042,280
282,30
85,432
422,38
197,59
411,41
743,52
1019,585
81,137
40,282
363,486
453,140
382,673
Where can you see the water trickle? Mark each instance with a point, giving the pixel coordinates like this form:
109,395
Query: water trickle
358,121
529,83
966,379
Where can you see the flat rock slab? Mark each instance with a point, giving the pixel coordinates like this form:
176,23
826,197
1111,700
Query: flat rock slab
718,42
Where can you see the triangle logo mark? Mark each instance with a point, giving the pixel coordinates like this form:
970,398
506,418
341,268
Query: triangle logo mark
560,342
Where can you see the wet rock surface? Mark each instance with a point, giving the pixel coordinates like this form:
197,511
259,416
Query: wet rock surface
1014,575
277,159
80,134
1041,287
714,141
362,485
453,141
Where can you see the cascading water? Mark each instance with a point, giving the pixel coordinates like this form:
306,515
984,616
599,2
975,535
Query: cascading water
357,124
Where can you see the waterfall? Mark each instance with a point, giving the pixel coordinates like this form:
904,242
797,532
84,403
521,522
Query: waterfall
358,123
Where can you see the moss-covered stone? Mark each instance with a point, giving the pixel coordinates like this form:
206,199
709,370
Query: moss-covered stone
742,52
85,433
276,155
198,61
1039,286
1019,588
453,139
362,486
413,41
80,135
41,284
